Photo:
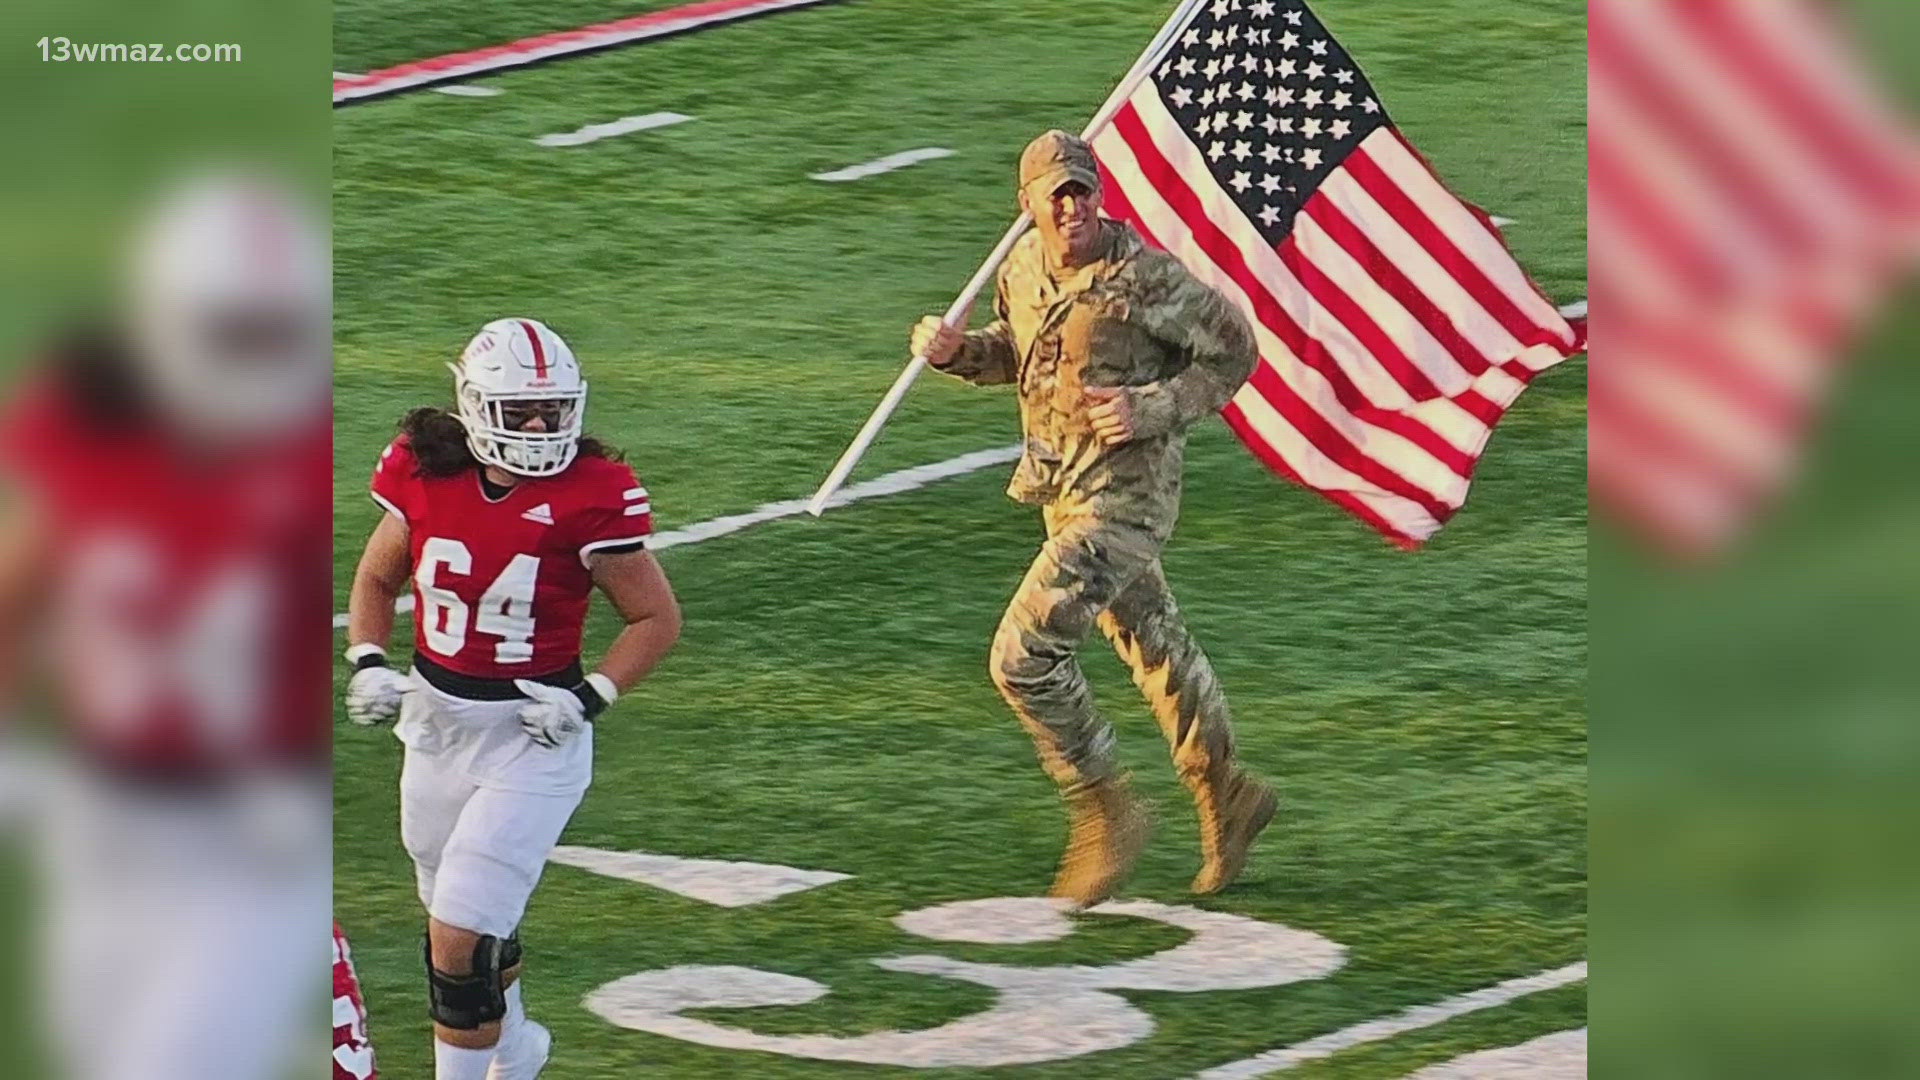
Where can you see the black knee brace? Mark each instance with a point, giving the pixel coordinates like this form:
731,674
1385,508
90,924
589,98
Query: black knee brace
465,1002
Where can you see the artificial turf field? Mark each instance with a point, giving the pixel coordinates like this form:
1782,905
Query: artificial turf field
828,706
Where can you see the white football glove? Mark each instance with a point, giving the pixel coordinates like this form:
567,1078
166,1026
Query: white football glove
557,715
374,693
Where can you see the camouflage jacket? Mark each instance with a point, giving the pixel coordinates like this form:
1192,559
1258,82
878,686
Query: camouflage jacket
1134,318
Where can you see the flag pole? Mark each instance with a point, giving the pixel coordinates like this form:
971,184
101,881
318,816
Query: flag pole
957,312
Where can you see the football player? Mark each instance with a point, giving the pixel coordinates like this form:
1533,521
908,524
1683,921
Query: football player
504,518
164,565
352,1052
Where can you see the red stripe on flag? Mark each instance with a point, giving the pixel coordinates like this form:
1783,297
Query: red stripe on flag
1172,188
1254,441
1388,275
1355,318
1418,225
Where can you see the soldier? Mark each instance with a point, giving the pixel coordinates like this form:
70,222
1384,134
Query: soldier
1117,350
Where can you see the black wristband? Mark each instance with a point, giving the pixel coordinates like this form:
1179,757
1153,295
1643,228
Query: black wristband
372,659
591,703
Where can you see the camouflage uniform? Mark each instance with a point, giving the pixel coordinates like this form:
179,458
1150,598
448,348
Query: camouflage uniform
1135,318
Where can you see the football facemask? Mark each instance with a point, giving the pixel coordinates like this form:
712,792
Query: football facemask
520,396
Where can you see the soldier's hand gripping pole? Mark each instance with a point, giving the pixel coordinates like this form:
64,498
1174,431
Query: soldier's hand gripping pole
869,431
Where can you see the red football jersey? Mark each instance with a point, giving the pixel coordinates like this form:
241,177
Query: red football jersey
352,1052
502,586
188,592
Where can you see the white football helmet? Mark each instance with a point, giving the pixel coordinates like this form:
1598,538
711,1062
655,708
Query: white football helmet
513,372
230,285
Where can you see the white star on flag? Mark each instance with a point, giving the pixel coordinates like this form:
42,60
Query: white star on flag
1215,40
1270,183
1315,70
1181,97
1339,129
1310,127
1342,99
1269,217
1186,67
1319,48
1243,120
1289,40
1216,151
1272,152
1310,157
1263,9
1240,182
1293,17
1312,99
1242,150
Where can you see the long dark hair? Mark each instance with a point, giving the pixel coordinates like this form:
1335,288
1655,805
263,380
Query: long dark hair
439,443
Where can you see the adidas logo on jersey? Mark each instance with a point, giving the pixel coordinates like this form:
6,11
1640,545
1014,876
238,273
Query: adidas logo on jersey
542,514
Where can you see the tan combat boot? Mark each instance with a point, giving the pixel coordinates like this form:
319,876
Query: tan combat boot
1233,807
1107,828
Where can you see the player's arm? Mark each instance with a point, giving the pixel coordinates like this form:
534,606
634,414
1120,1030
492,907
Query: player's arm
984,357
639,591
637,587
374,693
23,551
378,582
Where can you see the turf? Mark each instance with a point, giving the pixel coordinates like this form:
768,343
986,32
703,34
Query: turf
828,707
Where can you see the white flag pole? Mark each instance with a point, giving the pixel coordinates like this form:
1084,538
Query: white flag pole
882,412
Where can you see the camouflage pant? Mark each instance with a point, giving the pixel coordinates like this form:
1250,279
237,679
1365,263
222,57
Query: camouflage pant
1092,571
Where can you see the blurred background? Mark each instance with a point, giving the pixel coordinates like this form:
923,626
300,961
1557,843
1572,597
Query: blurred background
1754,587
164,470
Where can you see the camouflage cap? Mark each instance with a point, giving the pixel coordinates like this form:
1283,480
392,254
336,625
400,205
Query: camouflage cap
1055,158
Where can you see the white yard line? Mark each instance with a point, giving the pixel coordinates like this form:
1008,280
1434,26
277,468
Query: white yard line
884,165
626,125
463,90
893,483
1413,1019
1503,222
1559,1056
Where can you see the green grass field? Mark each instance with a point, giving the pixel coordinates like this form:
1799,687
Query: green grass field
828,706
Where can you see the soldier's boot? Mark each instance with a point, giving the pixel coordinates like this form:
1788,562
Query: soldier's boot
1107,830
1234,807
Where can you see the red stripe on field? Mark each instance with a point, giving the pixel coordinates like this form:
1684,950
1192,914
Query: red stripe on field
474,62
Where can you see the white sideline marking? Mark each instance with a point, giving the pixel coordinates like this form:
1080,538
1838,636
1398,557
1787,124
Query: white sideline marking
454,90
1413,1019
1575,310
1559,1056
893,483
884,165
626,125
1503,222
719,882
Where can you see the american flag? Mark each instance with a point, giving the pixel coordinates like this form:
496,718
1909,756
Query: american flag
1753,195
1395,328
